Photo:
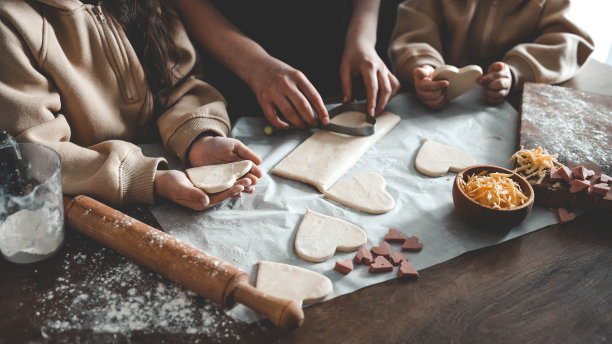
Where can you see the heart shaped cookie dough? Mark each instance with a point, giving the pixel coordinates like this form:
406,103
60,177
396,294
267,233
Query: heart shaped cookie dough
406,269
292,282
320,236
364,192
381,264
459,80
435,159
564,215
364,256
216,178
412,244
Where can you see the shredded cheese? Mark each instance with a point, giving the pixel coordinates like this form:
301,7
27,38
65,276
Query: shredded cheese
495,190
534,162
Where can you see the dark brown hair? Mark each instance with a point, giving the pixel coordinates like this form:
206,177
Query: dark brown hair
146,24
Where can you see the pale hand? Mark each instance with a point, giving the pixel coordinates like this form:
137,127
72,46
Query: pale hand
381,85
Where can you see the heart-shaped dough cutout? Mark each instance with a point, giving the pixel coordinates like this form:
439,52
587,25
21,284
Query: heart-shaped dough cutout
364,192
564,215
320,236
216,178
459,80
383,250
435,159
412,244
292,282
381,264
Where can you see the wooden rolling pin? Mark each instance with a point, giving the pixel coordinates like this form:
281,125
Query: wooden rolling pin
192,268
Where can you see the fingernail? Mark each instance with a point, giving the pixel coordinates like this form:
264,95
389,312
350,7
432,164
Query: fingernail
371,111
203,201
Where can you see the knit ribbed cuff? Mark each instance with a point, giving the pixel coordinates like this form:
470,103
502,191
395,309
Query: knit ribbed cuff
521,71
138,178
184,135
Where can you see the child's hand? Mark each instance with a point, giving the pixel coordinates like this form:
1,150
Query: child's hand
497,82
432,93
175,186
213,150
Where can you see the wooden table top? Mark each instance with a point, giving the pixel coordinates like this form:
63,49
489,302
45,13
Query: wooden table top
552,285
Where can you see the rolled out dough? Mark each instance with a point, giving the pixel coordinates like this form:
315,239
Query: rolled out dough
435,159
216,178
364,192
326,156
459,80
319,236
292,282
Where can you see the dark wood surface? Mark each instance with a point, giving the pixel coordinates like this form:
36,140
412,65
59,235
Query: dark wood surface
549,286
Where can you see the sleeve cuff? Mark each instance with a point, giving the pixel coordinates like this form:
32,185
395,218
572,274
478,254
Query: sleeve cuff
521,72
138,178
185,134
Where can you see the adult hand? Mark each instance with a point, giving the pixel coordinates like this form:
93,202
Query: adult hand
214,150
280,87
175,186
497,82
380,83
432,93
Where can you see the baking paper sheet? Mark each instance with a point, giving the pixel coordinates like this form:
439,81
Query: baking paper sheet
262,226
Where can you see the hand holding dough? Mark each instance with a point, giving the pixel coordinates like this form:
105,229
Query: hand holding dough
216,178
459,80
292,282
320,236
435,159
364,192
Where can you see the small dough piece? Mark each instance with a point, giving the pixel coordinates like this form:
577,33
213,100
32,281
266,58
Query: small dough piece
397,258
406,269
600,189
320,236
326,156
435,159
578,185
381,264
383,250
364,192
580,173
459,80
216,178
292,282
565,173
394,236
344,266
412,244
564,215
364,256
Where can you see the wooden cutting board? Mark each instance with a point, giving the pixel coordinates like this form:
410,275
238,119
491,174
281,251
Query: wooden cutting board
575,125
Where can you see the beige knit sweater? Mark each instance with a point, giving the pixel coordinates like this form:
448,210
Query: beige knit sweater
534,37
69,79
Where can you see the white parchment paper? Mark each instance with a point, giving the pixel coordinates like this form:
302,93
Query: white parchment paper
262,226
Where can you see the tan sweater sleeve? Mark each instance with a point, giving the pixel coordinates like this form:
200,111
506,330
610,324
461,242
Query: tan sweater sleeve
556,54
114,172
194,107
416,38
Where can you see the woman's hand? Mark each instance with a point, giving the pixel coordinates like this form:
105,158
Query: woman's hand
214,150
381,85
430,92
280,87
497,82
175,186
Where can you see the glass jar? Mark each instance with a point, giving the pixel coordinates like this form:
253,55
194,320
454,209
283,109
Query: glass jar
31,213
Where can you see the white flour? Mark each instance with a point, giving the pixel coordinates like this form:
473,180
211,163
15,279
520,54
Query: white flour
123,299
31,232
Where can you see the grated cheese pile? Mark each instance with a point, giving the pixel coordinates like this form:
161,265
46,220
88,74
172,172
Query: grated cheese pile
496,190
534,162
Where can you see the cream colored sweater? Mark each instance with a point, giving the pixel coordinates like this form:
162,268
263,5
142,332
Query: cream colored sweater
69,79
534,37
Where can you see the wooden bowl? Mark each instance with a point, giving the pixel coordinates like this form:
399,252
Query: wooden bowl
479,214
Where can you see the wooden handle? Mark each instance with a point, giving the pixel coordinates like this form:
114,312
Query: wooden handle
192,268
285,314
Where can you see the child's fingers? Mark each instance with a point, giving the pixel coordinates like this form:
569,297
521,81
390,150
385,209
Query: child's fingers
499,84
430,86
223,195
256,171
421,73
253,178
